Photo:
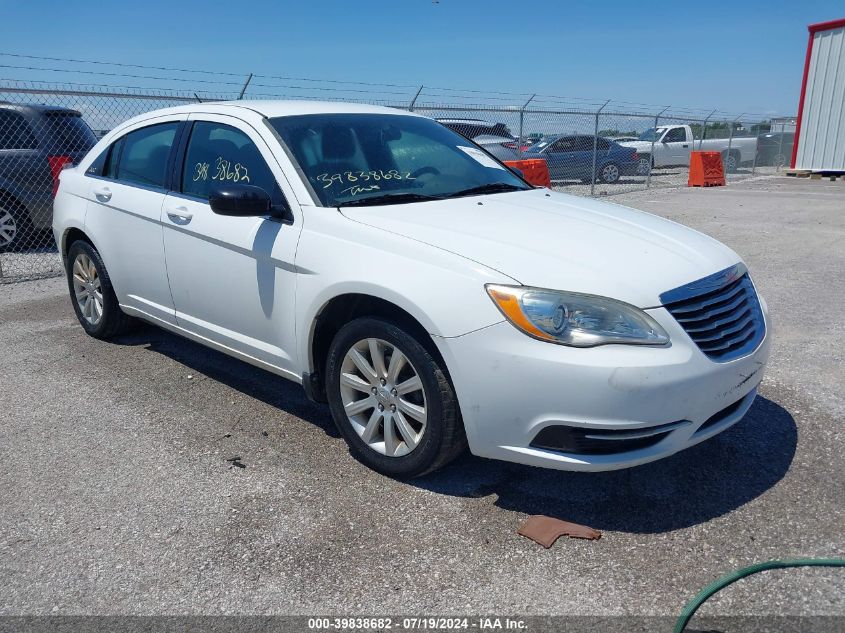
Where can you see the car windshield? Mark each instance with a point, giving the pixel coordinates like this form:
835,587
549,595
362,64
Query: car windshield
651,134
388,159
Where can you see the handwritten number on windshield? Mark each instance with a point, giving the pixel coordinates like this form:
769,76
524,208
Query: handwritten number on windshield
351,177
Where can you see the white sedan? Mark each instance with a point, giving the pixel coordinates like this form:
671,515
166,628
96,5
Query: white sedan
403,275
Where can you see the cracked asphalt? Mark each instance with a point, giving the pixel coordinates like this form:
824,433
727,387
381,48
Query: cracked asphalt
120,496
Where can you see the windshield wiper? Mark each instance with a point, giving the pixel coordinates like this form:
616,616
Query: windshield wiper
493,187
387,198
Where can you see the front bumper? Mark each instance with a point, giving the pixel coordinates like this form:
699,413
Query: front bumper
511,387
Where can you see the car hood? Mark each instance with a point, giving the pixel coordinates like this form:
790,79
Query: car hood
553,240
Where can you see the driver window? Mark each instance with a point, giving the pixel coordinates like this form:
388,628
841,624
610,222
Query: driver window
675,135
564,145
219,154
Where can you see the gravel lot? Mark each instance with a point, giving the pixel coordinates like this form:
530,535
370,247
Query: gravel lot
118,498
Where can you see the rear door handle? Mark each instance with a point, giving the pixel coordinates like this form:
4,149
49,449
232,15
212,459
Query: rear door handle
179,215
103,194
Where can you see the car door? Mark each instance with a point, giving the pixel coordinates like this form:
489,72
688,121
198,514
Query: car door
677,146
562,157
232,278
129,181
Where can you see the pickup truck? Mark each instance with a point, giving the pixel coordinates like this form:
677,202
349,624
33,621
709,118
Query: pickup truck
673,144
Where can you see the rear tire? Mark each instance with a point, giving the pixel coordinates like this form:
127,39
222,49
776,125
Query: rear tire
644,165
92,294
391,400
15,228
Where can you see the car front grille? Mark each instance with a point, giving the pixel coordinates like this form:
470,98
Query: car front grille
720,313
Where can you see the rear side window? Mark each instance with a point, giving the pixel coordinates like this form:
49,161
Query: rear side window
105,164
66,132
15,132
602,144
219,154
144,156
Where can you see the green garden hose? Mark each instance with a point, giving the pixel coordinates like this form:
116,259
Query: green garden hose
717,585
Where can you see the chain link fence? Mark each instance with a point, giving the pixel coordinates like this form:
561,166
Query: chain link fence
591,148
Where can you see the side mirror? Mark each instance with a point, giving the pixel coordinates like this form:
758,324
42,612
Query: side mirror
239,200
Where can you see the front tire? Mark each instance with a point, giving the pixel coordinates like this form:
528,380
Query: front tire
391,400
92,294
609,173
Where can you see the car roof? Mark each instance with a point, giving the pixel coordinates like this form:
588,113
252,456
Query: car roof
37,108
468,121
280,108
551,139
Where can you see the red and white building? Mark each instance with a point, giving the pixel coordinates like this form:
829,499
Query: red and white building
820,134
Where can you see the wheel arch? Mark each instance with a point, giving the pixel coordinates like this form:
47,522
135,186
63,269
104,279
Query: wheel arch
71,234
342,308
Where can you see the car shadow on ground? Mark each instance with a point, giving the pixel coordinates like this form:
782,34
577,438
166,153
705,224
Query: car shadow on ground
701,483
688,488
249,380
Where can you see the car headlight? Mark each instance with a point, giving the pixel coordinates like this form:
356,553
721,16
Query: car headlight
579,320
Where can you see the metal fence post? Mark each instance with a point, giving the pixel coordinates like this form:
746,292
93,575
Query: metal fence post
595,147
414,100
243,90
780,149
521,121
731,137
756,148
651,154
703,131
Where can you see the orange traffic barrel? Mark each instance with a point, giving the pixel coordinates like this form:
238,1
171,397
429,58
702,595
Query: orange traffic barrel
705,169
534,171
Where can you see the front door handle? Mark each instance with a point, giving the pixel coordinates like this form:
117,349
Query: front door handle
103,194
179,215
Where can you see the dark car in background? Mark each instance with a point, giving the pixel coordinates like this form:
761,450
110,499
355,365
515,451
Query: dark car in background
502,147
36,142
775,148
571,158
471,128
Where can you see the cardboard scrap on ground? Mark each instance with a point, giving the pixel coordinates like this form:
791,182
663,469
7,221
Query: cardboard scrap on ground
546,530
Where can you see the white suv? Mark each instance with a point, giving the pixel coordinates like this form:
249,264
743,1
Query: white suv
425,291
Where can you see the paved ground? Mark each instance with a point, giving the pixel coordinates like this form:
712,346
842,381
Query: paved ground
117,496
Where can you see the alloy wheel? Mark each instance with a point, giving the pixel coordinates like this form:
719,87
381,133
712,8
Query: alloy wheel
86,289
643,166
610,173
383,397
8,228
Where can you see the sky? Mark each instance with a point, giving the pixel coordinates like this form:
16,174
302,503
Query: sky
735,56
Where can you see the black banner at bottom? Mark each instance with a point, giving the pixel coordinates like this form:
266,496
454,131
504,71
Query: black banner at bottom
432,624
